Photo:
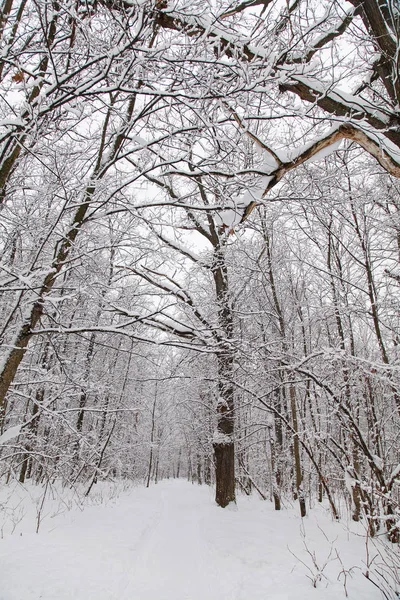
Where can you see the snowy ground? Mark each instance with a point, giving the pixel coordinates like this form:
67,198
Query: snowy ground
170,542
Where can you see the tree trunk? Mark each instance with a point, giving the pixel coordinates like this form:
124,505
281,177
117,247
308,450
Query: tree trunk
152,437
224,473
223,444
296,452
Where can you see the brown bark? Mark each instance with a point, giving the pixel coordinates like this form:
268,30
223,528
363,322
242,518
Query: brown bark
224,448
224,473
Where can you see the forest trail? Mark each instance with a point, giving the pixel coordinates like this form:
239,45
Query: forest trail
171,542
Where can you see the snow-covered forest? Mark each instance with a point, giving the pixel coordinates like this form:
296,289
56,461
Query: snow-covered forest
199,264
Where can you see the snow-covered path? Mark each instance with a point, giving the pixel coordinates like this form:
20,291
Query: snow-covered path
171,542
175,554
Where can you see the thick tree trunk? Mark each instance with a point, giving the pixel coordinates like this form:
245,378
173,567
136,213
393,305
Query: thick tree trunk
224,449
223,444
224,473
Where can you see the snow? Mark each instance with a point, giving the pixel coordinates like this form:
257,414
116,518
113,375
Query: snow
221,438
291,154
171,542
10,433
75,110
395,473
352,102
382,141
12,122
139,140
112,295
175,243
230,216
378,461
325,152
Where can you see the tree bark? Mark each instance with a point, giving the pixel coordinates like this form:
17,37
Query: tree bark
224,448
296,452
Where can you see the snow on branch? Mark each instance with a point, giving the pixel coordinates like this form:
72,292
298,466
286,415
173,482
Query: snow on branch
168,323
175,245
333,100
275,160
238,210
322,40
10,433
222,439
387,154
